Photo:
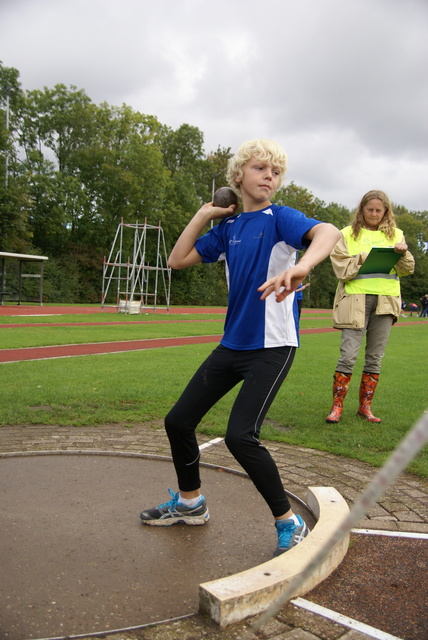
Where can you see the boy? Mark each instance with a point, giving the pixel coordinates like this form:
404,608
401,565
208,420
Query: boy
260,336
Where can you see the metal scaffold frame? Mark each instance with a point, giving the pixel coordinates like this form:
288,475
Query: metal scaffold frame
137,281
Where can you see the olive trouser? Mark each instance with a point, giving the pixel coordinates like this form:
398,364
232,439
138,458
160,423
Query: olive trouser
376,329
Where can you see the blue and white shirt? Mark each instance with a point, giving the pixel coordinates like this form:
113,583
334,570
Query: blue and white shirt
257,246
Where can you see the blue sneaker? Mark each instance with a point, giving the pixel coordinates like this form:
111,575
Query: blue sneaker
173,512
289,534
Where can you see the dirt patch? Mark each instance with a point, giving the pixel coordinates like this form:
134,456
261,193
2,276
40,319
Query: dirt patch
382,582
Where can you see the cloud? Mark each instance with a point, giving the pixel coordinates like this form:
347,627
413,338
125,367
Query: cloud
340,84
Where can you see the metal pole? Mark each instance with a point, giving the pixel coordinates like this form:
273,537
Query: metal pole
41,283
3,280
6,176
20,282
212,193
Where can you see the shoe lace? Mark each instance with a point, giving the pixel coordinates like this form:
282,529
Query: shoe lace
171,504
285,533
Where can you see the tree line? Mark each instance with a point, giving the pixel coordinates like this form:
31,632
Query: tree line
72,171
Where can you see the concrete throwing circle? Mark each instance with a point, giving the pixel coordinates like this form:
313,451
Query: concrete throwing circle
76,560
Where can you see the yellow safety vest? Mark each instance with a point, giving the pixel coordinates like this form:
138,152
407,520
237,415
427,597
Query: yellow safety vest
383,284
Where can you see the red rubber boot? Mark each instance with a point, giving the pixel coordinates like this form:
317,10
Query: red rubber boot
340,389
367,388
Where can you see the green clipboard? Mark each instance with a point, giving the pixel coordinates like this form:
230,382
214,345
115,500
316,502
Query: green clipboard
380,260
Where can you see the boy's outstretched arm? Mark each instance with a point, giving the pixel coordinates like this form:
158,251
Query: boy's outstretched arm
184,253
323,238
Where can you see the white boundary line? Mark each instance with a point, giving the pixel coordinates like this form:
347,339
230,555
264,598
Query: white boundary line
210,443
343,620
394,534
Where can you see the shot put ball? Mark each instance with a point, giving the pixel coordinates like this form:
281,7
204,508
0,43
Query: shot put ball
224,197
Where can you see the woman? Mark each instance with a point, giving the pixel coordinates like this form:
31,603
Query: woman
366,304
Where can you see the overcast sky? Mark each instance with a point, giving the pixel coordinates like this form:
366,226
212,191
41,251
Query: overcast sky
341,84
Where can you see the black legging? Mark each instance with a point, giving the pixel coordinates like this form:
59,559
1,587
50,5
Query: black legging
262,372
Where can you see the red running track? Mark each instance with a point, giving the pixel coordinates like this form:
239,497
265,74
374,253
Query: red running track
31,310
98,348
70,350
94,348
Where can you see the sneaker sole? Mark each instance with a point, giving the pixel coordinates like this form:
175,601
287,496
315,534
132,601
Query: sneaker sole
168,522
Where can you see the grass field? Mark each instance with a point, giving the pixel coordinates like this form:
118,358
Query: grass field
134,387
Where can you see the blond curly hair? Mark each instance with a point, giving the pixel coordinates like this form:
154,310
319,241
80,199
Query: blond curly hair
387,224
262,149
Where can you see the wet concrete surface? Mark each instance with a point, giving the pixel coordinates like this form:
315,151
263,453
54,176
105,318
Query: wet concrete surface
403,508
76,560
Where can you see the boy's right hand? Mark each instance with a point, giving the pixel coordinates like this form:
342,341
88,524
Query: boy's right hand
184,253
210,212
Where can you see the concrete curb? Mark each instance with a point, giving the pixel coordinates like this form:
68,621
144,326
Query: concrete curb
245,594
